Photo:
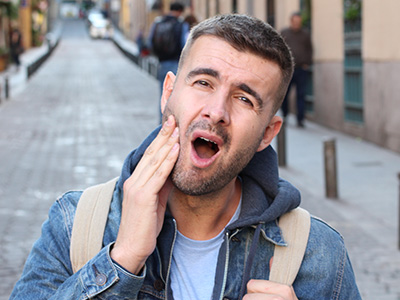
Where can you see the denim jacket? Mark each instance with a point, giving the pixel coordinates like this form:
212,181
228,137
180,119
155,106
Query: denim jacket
325,273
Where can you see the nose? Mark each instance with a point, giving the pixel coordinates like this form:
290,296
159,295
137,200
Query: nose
217,109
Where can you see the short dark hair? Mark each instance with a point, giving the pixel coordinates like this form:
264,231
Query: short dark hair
176,6
246,33
296,14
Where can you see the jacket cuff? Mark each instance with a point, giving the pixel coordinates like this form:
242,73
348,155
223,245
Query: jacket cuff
102,275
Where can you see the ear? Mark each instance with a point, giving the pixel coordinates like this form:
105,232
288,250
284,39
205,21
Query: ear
270,132
168,86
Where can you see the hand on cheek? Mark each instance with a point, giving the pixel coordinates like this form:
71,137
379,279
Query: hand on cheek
145,200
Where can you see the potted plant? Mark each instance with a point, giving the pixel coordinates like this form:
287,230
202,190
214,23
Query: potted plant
352,15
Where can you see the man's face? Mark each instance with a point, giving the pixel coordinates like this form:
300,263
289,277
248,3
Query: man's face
222,101
295,23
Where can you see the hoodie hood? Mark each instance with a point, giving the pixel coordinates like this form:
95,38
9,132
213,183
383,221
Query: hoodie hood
265,196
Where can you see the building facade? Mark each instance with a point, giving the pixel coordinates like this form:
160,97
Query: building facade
356,64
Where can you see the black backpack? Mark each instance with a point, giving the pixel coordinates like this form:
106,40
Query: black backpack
166,41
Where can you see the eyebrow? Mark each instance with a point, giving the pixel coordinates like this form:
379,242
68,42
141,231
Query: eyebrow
203,71
244,87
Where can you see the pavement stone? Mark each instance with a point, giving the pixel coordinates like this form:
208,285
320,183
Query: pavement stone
72,124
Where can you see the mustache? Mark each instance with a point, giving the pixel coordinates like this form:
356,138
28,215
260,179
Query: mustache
203,124
218,130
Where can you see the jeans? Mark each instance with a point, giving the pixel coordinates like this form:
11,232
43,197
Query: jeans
300,81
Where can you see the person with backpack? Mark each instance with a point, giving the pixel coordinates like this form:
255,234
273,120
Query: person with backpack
167,38
199,210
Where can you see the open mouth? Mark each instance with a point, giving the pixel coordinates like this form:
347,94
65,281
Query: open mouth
205,148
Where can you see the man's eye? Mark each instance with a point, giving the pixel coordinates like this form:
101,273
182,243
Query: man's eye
245,100
202,82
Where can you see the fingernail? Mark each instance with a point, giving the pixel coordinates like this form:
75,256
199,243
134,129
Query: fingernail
175,147
176,132
169,120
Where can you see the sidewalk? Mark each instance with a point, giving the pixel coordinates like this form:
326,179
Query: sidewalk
31,59
366,211
148,63
367,173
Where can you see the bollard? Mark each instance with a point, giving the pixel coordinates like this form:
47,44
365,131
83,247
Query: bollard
282,146
331,189
6,88
398,176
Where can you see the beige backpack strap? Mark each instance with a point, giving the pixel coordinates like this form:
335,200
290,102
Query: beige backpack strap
89,223
295,226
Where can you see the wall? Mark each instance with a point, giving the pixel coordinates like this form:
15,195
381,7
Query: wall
381,54
139,14
124,21
328,48
283,11
25,21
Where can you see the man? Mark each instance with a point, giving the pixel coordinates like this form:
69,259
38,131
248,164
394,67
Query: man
16,47
299,41
169,44
194,196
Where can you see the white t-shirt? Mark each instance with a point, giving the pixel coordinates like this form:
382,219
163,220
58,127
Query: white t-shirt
194,264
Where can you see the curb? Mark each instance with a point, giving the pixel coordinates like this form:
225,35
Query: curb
31,61
130,49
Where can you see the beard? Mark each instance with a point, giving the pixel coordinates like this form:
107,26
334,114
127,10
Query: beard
195,181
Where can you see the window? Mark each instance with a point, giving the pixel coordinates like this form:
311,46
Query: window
353,87
305,9
234,6
271,12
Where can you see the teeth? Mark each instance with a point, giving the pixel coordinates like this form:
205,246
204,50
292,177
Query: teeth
207,140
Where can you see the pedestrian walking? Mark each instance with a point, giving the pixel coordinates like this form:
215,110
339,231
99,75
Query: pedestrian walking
142,44
167,38
195,211
16,47
299,42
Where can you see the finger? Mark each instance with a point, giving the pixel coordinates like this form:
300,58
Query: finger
267,287
162,161
155,154
259,296
161,139
160,176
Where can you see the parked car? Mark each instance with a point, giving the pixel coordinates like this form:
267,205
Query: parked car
99,26
94,15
